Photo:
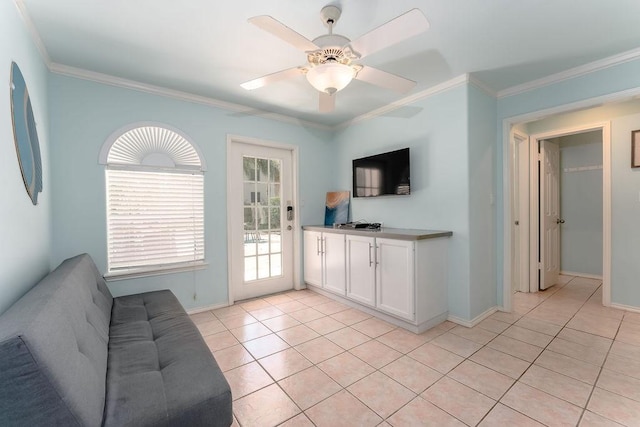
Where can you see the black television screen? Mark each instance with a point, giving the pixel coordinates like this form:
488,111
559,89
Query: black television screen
381,175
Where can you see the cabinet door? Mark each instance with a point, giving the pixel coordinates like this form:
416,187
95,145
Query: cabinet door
361,269
313,257
334,263
395,277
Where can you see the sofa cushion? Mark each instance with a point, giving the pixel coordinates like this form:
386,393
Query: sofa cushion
55,339
26,393
160,371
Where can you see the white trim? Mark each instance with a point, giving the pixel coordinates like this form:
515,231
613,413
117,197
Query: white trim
507,217
93,76
606,214
625,307
33,32
534,208
507,123
434,90
295,156
522,260
206,308
136,273
585,275
533,241
482,86
571,73
473,322
403,323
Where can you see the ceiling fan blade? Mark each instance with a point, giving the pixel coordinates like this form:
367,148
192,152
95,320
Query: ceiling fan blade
271,78
327,102
278,29
398,29
387,80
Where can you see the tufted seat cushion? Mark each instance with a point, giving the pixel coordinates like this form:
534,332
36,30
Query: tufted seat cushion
54,340
71,355
160,371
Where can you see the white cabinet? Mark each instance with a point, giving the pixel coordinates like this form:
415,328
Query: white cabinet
402,280
333,271
361,269
324,260
395,277
313,257
380,274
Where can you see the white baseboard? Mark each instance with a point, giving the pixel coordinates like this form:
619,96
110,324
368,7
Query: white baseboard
207,308
473,322
408,325
625,307
585,275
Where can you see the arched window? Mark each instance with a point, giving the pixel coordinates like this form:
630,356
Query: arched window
155,201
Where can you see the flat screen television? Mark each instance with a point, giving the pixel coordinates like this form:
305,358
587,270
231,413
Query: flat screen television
382,175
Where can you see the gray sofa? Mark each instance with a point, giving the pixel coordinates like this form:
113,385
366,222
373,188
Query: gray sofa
71,355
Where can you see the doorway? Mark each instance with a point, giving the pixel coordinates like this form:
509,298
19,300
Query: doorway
261,218
537,208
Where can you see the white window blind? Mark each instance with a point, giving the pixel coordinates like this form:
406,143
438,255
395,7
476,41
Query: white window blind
154,219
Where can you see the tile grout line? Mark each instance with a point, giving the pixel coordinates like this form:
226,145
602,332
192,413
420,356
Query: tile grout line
407,354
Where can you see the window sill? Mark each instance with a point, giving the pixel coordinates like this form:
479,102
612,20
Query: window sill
153,271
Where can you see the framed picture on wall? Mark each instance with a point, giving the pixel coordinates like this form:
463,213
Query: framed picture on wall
635,148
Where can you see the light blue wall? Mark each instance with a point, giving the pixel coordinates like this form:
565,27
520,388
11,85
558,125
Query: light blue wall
437,137
581,203
625,232
24,228
481,161
84,114
625,182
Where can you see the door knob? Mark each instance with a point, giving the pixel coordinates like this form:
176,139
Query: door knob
559,221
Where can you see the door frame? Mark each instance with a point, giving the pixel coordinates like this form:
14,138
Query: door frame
238,139
520,196
534,205
508,123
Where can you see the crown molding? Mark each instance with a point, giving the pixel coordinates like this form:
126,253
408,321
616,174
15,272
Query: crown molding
33,32
442,87
179,95
571,73
482,86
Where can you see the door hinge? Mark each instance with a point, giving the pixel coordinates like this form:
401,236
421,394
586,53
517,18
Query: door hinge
539,266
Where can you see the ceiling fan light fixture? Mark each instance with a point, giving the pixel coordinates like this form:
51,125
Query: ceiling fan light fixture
330,77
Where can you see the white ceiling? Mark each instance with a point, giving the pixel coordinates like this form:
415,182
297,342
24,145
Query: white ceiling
207,47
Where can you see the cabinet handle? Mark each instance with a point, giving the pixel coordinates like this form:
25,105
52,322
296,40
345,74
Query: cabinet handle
322,246
370,261
318,246
377,260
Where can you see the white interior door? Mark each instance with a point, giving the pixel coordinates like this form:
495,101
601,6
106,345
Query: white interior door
549,213
261,220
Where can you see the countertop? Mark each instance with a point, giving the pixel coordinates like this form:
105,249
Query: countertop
384,232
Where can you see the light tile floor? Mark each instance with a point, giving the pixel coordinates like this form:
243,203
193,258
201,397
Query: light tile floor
559,359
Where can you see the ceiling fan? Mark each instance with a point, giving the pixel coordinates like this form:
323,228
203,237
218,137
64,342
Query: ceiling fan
332,58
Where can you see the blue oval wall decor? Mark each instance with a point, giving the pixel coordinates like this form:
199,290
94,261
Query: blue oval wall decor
25,135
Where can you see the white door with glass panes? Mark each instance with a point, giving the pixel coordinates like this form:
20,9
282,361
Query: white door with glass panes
261,220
